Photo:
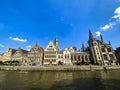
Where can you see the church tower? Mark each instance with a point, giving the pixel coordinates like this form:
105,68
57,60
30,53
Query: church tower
94,49
56,43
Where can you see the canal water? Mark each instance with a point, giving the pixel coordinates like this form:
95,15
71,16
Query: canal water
79,80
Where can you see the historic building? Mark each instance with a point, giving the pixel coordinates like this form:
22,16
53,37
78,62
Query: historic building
60,58
117,53
67,56
71,56
98,52
1,56
51,53
101,52
21,56
7,55
36,55
80,58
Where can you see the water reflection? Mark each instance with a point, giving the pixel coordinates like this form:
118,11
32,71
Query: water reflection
82,80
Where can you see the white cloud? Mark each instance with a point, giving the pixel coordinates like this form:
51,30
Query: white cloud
114,19
107,26
28,46
98,33
2,45
116,16
117,13
18,39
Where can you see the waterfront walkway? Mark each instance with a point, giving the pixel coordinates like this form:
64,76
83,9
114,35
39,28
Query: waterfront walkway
59,68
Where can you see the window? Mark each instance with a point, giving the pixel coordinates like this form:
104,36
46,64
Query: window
68,56
109,50
79,58
105,56
86,58
95,43
103,50
72,58
82,59
59,56
75,57
111,57
96,48
65,56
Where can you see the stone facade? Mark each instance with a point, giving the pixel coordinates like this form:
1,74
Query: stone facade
21,56
66,56
7,56
117,53
80,58
1,57
60,58
98,52
71,56
101,52
35,55
50,54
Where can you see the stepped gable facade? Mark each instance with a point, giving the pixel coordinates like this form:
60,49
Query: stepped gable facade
21,56
7,55
35,55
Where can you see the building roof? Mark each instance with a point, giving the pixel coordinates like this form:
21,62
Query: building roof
24,51
39,47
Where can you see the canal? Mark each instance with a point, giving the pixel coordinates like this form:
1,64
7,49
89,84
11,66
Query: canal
79,80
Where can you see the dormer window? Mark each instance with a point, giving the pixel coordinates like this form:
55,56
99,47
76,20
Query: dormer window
109,50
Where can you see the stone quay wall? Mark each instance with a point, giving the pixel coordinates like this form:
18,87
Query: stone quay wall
58,68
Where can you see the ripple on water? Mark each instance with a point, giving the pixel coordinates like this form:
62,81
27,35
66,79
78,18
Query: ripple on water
79,80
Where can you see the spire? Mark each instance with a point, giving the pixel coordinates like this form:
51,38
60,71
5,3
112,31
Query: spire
56,43
101,38
56,39
90,35
83,47
36,44
109,43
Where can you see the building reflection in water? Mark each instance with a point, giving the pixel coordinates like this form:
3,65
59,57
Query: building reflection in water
79,80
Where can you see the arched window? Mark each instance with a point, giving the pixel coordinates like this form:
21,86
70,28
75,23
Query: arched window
68,56
79,58
75,58
82,59
86,58
109,49
71,58
65,56
111,57
105,56
103,50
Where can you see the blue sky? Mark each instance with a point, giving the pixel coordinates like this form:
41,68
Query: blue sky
24,22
